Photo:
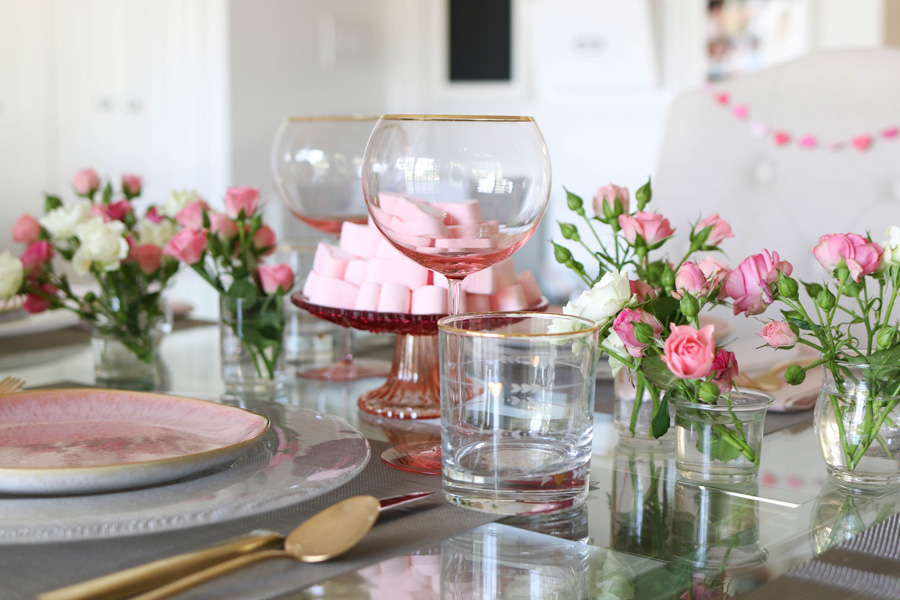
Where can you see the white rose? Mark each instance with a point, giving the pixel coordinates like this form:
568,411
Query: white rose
603,301
61,222
614,343
11,275
177,200
157,234
101,243
891,247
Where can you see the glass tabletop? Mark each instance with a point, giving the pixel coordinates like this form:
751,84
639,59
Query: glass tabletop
643,532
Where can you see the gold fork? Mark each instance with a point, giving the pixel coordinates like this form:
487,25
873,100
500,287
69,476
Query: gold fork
9,385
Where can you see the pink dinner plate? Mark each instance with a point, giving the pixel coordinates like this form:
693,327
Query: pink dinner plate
95,440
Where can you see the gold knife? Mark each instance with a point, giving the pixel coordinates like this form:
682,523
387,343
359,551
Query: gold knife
123,584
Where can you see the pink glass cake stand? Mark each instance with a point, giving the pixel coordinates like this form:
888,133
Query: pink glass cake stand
412,389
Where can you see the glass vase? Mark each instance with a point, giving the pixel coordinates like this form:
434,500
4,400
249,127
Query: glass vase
251,335
631,426
126,355
857,422
721,441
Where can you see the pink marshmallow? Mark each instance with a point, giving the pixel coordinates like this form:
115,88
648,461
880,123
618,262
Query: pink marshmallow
359,240
475,230
386,202
369,293
428,300
530,287
335,292
467,212
428,227
481,282
477,303
394,298
312,281
330,261
506,273
386,249
507,299
439,280
397,270
356,271
409,209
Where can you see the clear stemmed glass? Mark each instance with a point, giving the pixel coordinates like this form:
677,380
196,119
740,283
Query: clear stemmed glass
455,194
316,163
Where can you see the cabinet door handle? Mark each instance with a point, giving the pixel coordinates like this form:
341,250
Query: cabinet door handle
105,104
133,105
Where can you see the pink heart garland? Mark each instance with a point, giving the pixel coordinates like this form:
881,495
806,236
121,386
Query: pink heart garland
723,98
862,142
740,111
835,145
890,133
808,141
758,129
782,138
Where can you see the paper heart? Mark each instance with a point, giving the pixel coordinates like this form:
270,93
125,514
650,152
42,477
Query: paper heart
758,129
740,111
808,141
835,145
862,142
890,133
723,98
782,138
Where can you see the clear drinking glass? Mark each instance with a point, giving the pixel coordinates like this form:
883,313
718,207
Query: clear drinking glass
517,396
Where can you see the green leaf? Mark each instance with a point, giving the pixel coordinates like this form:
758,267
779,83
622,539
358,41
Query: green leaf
719,448
657,373
886,357
659,425
243,289
51,202
107,193
812,289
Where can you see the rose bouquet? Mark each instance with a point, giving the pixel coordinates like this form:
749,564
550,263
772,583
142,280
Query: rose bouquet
228,249
103,239
648,308
849,322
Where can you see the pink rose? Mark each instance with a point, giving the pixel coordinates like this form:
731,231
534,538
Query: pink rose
191,216
623,325
653,228
112,212
860,255
273,277
37,254
26,230
265,238
187,245
148,257
86,182
688,352
642,291
715,273
726,369
131,185
239,199
609,196
778,334
720,230
690,279
153,215
36,303
748,285
221,225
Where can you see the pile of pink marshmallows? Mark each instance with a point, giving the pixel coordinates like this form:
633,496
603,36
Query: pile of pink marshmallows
366,272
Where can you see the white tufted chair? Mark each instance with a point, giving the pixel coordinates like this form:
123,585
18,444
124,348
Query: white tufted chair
784,197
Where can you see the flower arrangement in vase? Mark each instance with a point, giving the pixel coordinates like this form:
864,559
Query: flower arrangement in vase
103,239
648,308
849,322
228,249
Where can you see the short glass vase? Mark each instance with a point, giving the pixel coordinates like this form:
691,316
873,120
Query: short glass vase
722,441
251,334
631,425
857,422
126,356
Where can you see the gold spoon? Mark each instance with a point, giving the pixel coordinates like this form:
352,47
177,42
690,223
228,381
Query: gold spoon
9,385
321,537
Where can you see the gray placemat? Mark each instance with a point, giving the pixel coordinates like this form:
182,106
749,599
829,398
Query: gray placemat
28,569
866,567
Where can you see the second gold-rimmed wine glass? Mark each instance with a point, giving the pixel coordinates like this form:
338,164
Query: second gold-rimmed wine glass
316,163
457,194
